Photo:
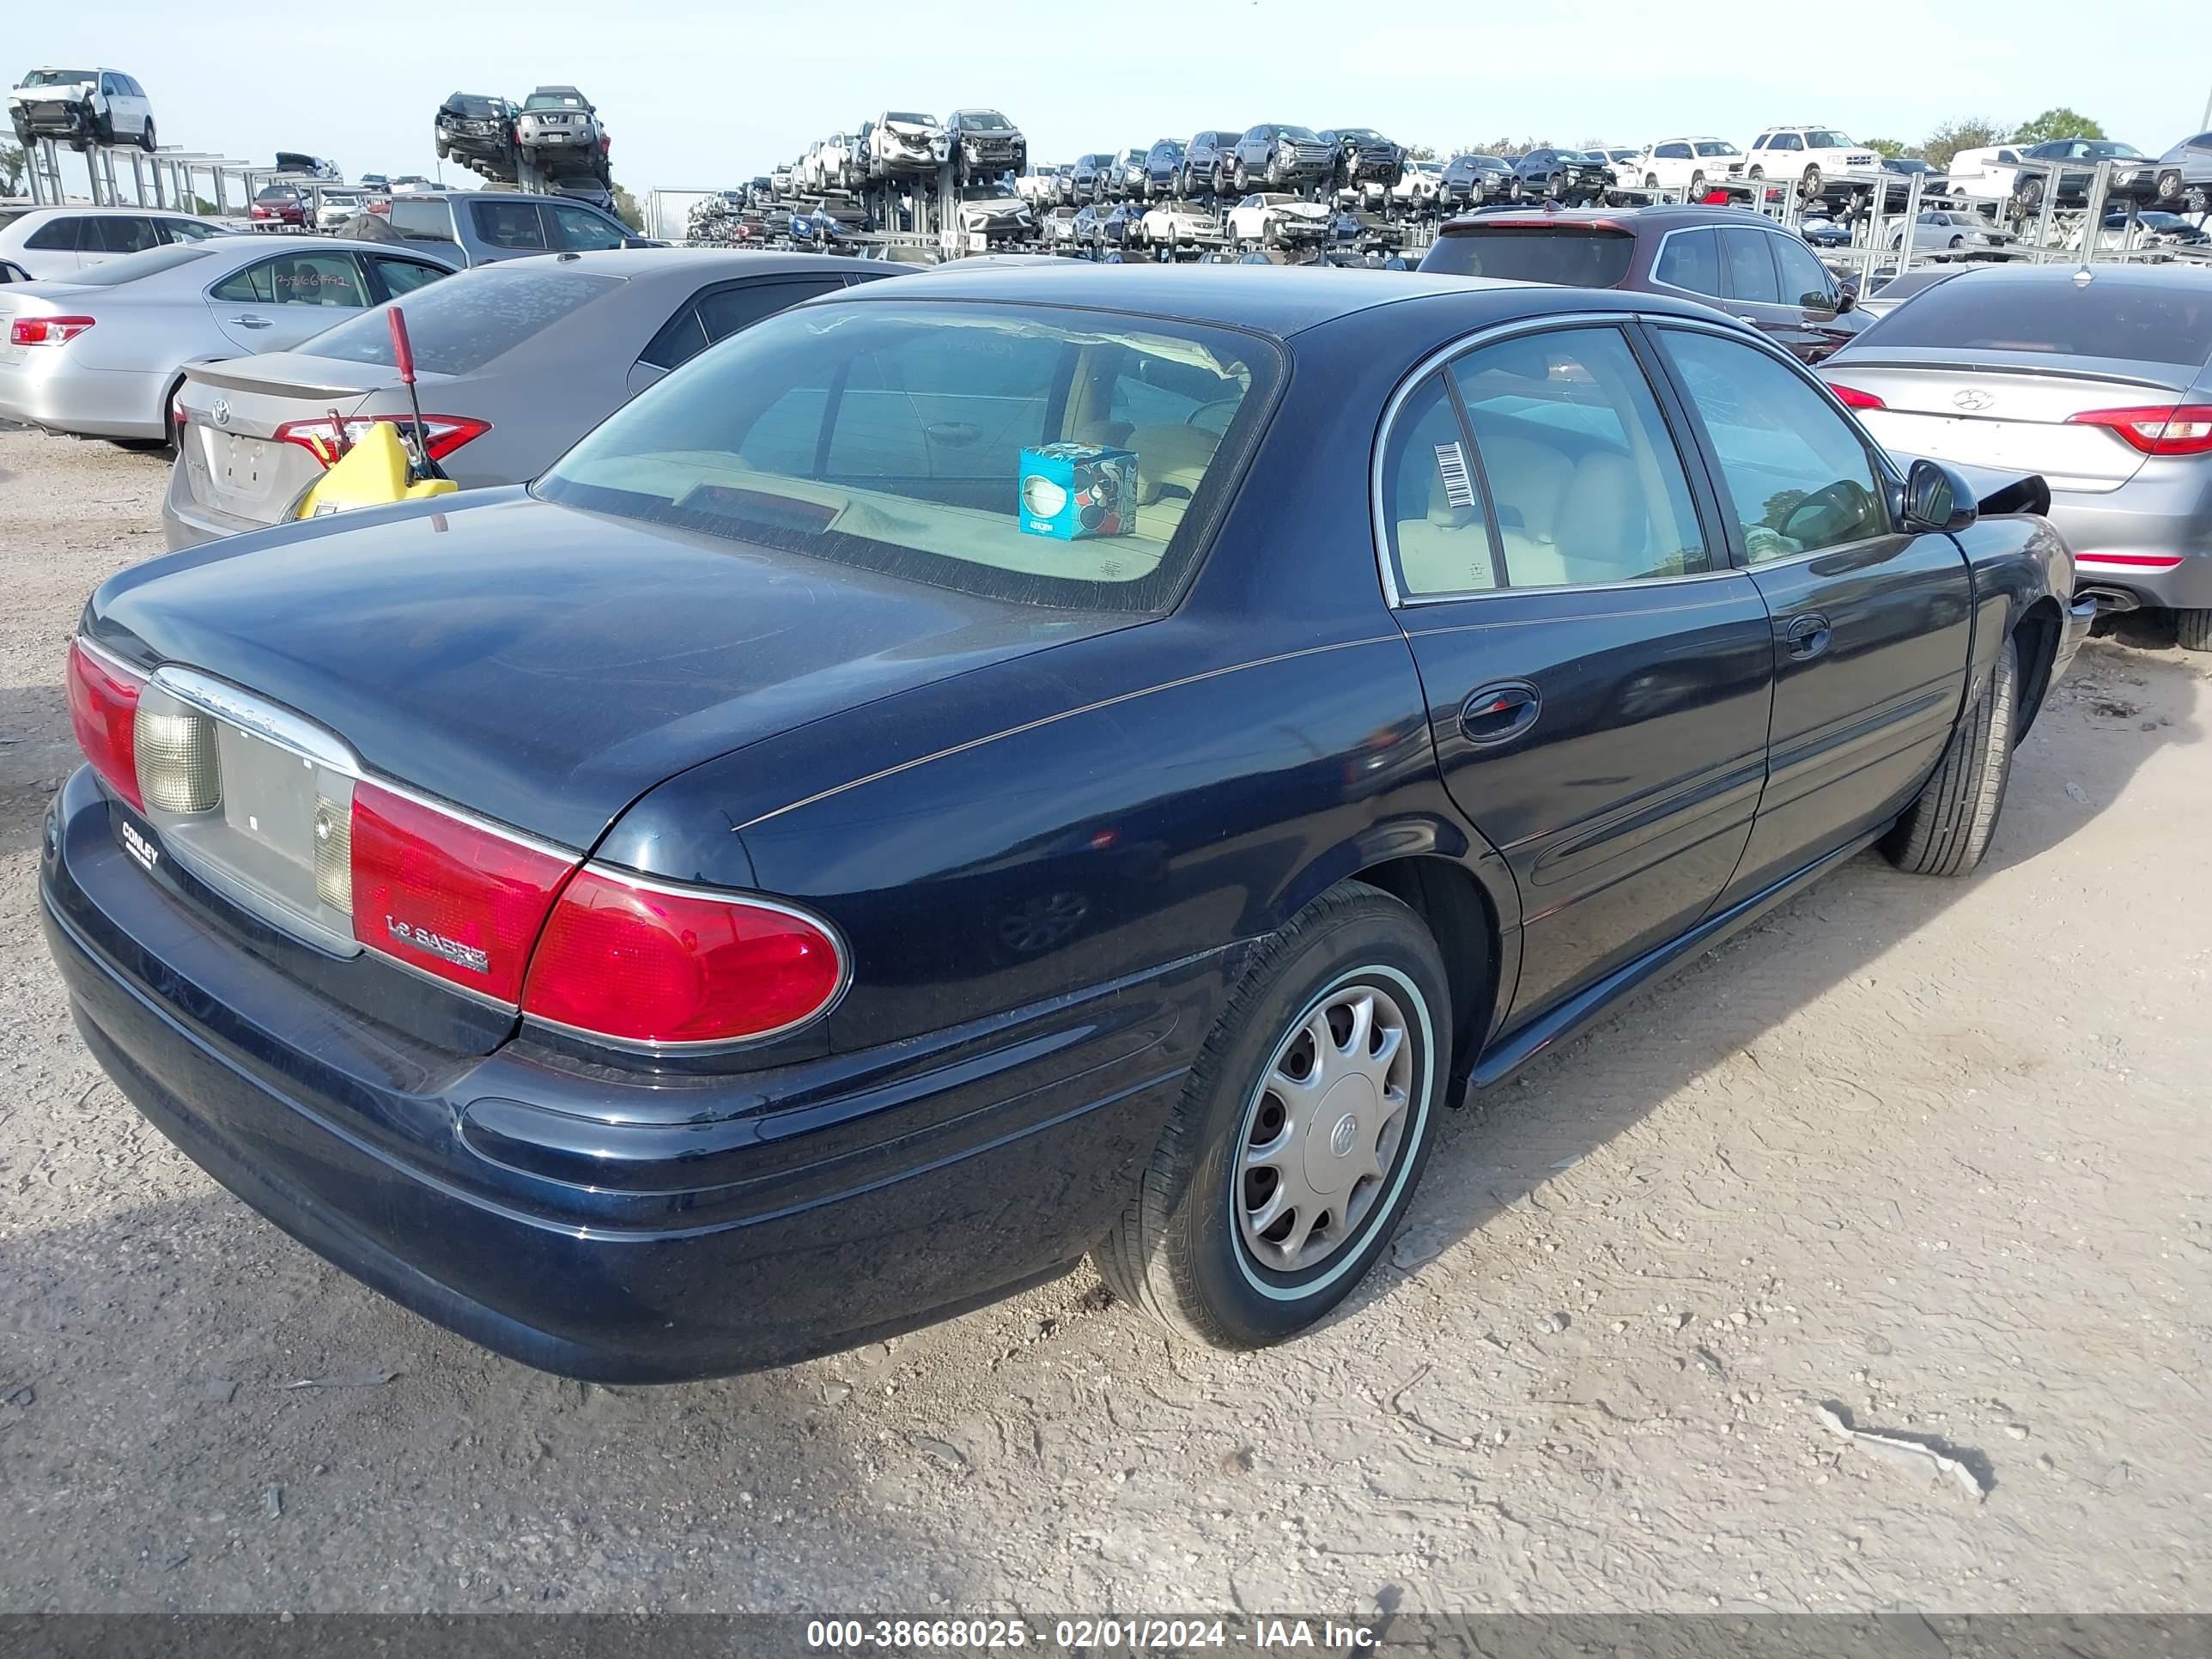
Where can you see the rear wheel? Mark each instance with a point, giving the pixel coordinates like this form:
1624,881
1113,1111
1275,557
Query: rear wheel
1295,1148
146,137
1947,830
2194,629
1241,177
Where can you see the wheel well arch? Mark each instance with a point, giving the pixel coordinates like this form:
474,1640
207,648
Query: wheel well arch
1461,916
2037,632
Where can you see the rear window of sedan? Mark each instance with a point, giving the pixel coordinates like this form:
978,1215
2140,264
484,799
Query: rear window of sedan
2131,322
1044,456
1571,255
460,323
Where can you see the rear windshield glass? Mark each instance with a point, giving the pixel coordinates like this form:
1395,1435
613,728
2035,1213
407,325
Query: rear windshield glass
463,322
1567,254
1049,457
132,266
2134,322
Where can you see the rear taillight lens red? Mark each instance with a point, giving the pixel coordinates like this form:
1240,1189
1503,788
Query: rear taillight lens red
1852,398
46,331
318,437
446,895
641,962
2156,429
103,703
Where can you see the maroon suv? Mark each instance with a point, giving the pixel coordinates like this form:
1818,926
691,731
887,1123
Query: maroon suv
1733,259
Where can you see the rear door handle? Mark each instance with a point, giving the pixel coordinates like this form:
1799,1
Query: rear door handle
1808,636
252,322
1500,713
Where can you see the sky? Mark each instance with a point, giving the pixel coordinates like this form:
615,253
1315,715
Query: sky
701,97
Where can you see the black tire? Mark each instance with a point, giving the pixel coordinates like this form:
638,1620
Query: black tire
2194,629
1756,173
2197,199
1651,181
2169,186
1811,182
1947,830
146,137
1697,186
1241,176
1178,1252
1957,242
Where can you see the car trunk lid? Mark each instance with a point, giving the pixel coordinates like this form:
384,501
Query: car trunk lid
543,665
234,460
2011,411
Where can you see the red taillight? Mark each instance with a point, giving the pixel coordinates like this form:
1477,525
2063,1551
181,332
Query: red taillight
641,962
318,437
103,702
459,901
1852,398
46,331
2156,429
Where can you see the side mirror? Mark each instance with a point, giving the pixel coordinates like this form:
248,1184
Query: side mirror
1936,498
1846,300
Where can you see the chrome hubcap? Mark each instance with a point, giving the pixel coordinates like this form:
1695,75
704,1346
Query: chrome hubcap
1324,1129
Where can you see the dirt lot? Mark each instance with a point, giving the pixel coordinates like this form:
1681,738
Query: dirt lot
1937,1153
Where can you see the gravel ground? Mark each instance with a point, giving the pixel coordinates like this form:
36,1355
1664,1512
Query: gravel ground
1933,1154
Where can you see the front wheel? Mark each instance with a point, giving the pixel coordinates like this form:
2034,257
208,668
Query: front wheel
1947,830
1697,186
1957,242
146,137
1758,172
1241,177
1301,1132
2194,629
1811,182
1651,181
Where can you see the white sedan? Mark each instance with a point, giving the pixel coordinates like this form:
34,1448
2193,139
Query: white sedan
1271,218
1175,225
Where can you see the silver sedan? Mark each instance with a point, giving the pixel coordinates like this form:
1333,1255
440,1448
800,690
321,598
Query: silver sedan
104,353
2101,379
515,360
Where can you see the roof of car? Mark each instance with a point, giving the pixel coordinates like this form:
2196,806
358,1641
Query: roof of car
2100,277
659,261
1281,300
1671,217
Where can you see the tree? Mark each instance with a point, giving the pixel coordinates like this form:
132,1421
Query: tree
626,210
1421,153
2060,123
1888,149
1970,132
12,165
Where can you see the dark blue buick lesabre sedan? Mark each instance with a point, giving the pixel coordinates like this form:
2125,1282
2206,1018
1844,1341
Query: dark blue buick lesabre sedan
993,768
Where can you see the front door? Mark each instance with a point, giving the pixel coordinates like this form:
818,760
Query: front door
1598,679
1871,626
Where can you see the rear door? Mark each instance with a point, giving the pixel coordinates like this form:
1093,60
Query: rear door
507,230
1870,626
715,313
1755,286
395,275
275,303
1598,679
112,236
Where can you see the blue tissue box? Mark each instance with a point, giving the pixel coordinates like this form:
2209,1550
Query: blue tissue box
1077,490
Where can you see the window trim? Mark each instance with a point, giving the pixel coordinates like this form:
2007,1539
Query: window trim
1660,253
1663,394
1892,481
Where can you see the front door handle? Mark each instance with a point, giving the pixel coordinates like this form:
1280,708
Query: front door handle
1808,636
1500,713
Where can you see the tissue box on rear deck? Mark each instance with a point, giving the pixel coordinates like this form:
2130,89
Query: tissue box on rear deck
1075,490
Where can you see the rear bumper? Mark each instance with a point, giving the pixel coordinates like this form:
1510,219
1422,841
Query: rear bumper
186,521
2148,518
47,390
607,1232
